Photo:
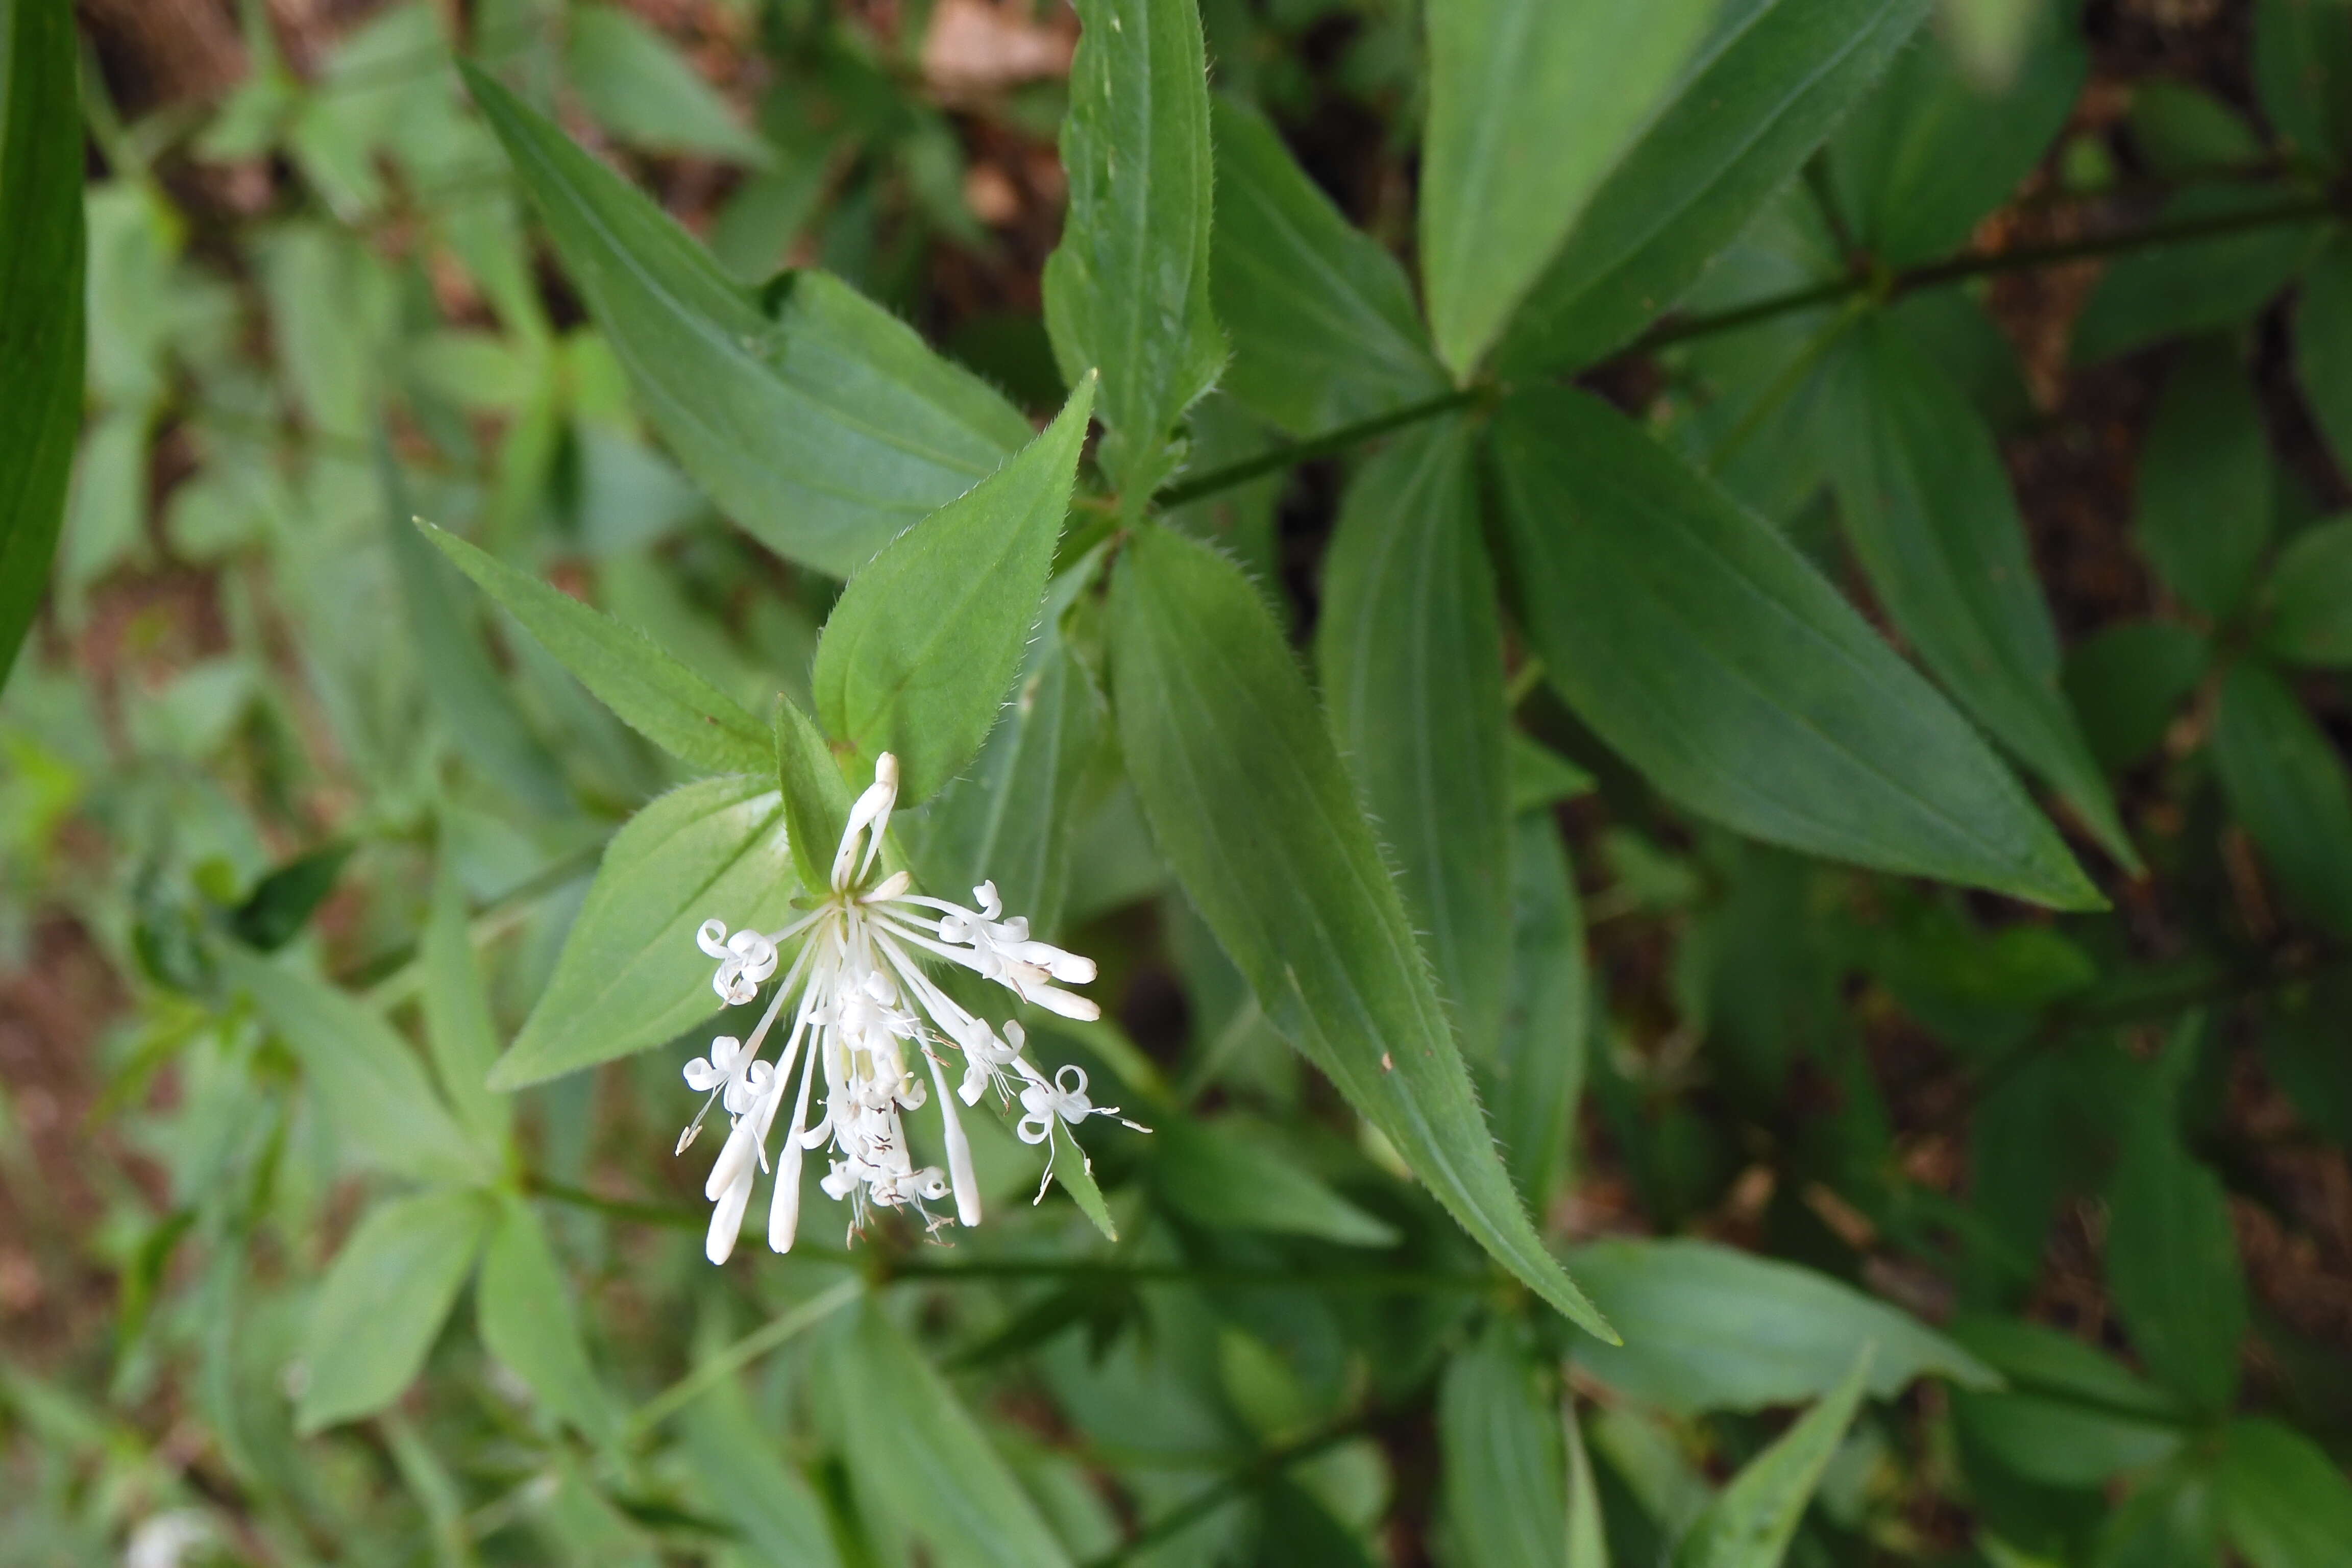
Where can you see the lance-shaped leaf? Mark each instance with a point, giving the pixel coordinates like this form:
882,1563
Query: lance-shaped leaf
41,298
2286,785
384,1301
1536,1070
1723,1329
1749,1523
1927,506
630,673
1010,817
1498,1432
523,1307
926,1459
816,797
1226,1178
373,1090
1251,804
1769,85
2204,510
458,1027
1127,293
816,418
2310,597
1411,645
926,641
1531,103
2172,1259
630,974
2284,1501
1702,645
1322,320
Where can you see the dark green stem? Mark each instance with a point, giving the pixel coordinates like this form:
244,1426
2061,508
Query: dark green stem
1682,328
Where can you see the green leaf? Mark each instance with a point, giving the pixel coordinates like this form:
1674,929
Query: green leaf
652,693
1723,1329
1541,777
1749,1523
382,1306
458,1028
2323,345
1769,85
2284,1503
1505,1469
523,1307
1075,1172
630,974
2058,1443
911,1441
817,797
1921,161
1701,645
2127,680
2302,74
370,1084
1011,816
2285,784
1228,1177
282,902
822,424
41,298
1530,104
2202,284
1926,504
642,89
1252,806
1410,647
2309,598
1127,291
1536,1075
476,700
926,641
749,1483
1322,320
2172,1261
2037,1359
2205,507
1587,1537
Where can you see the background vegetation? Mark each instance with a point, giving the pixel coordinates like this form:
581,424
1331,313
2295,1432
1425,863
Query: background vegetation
1574,367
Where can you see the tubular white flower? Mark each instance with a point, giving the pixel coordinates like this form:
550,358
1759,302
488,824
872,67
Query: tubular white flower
863,1008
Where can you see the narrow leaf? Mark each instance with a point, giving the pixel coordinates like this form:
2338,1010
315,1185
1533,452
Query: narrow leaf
370,1084
1701,645
1252,808
822,424
384,1301
630,974
1077,1175
2286,785
2310,597
925,1459
1322,320
2204,508
1750,1523
1127,293
458,1027
2323,345
41,298
1767,88
1225,1177
644,92
926,641
1721,1330
2285,1503
1536,1074
523,1305
1411,645
817,797
1927,504
1530,104
750,1484
652,693
2205,283
1505,1469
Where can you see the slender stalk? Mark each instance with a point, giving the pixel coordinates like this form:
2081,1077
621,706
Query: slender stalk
1887,287
735,1357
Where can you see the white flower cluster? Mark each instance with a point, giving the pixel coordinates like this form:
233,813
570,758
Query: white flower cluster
864,1010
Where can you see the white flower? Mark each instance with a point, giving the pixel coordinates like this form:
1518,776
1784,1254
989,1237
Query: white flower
165,1539
868,1027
